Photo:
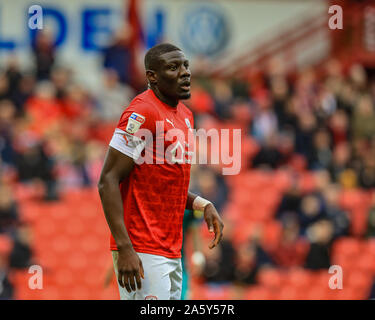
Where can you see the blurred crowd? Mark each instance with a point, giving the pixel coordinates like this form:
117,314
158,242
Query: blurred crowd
320,121
54,134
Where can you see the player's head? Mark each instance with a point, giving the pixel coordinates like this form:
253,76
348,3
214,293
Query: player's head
167,70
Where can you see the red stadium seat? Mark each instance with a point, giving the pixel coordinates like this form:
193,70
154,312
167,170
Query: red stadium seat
315,292
281,181
307,182
346,293
347,246
299,278
350,198
366,263
81,292
271,234
259,292
358,280
370,246
270,278
287,293
359,217
321,278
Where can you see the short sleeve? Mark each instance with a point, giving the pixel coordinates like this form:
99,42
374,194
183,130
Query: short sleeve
136,124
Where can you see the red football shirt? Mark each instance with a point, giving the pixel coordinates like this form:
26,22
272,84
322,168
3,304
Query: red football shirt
154,195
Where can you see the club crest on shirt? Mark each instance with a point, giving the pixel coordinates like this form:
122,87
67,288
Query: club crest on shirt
134,122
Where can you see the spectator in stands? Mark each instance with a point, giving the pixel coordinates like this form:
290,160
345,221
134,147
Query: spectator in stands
280,95
269,156
117,56
43,110
366,176
44,54
14,76
358,77
306,128
250,258
364,118
6,288
212,186
286,142
4,87
337,216
33,164
219,265
341,161
320,235
322,153
79,161
371,296
61,79
287,117
346,98
7,119
311,210
291,250
222,97
240,89
265,121
240,115
290,201
339,126
76,104
246,264
21,255
8,210
201,101
370,232
113,97
24,91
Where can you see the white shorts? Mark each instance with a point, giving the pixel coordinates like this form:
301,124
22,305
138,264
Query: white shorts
163,278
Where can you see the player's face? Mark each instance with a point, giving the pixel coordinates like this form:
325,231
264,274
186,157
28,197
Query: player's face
173,77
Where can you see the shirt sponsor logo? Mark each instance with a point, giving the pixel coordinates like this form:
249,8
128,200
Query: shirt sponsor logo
137,117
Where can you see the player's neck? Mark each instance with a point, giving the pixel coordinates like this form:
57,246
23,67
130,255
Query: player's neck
167,100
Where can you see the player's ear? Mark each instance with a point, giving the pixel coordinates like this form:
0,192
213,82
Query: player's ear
151,77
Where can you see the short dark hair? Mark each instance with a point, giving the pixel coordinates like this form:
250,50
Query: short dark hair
153,54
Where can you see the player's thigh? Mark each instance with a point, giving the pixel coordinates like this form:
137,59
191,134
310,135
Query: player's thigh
176,279
156,284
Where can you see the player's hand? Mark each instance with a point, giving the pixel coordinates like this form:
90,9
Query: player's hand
214,224
130,269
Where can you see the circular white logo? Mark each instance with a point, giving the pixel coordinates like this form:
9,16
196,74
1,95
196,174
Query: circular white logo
204,30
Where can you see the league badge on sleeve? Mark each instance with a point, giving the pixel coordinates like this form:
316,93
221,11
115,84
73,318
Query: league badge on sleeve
134,122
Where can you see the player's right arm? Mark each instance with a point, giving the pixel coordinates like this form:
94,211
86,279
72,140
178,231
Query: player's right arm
117,167
124,149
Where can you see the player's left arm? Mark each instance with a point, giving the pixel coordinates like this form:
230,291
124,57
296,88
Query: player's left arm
211,216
